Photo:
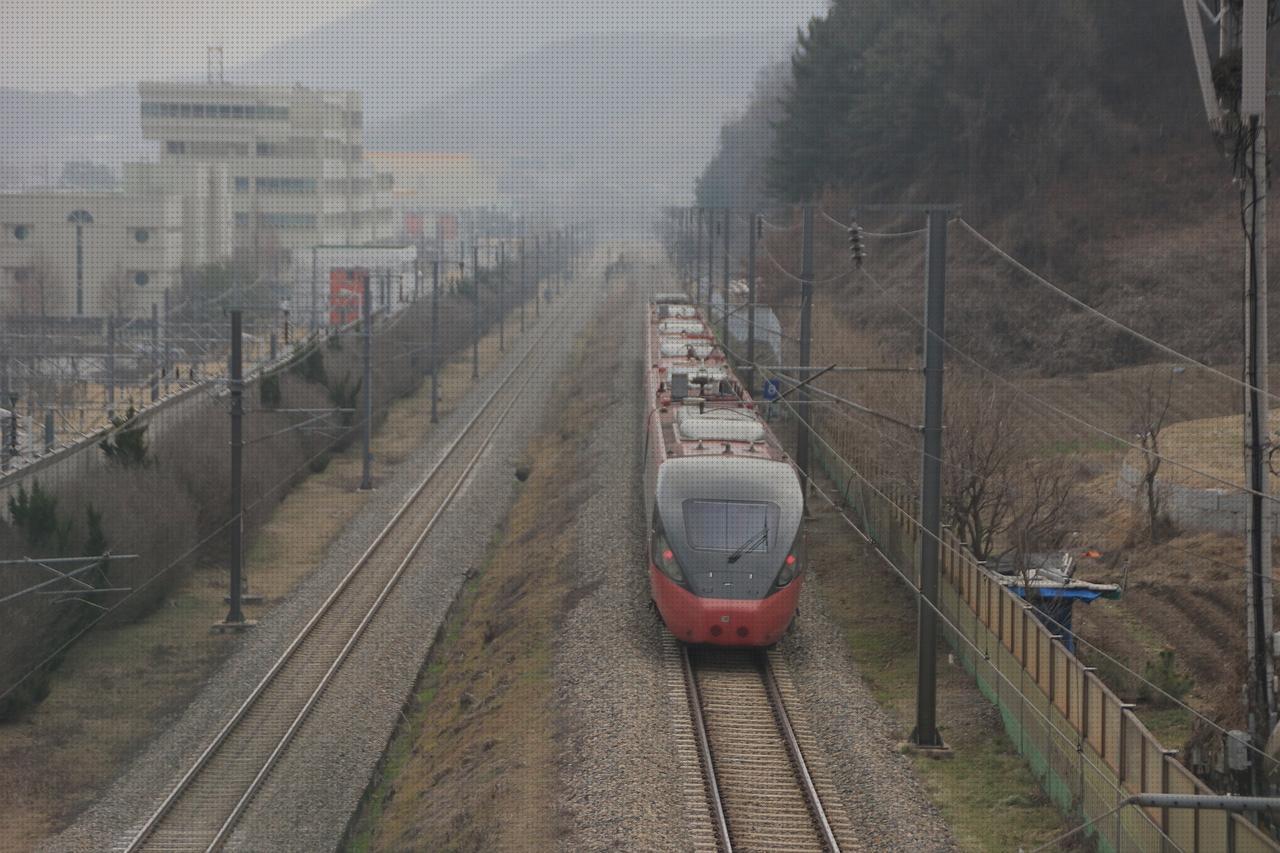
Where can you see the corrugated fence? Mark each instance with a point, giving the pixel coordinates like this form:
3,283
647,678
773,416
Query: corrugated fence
1088,748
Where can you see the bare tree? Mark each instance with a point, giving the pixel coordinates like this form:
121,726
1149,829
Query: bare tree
1003,498
1149,400
1042,507
983,446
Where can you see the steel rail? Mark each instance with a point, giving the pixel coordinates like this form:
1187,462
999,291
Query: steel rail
140,838
777,707
302,715
797,756
704,750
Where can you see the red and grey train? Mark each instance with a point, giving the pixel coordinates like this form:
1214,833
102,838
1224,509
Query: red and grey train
725,506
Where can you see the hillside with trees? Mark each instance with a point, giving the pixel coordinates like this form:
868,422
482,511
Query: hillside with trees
1071,131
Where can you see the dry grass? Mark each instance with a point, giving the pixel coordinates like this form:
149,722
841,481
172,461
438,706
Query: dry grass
473,767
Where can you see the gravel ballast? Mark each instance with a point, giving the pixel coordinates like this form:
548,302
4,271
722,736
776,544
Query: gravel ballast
618,758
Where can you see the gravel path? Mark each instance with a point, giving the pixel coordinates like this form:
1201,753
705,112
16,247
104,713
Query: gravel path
306,803
617,755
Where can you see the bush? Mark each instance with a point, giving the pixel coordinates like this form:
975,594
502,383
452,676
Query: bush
269,391
127,444
36,515
1162,683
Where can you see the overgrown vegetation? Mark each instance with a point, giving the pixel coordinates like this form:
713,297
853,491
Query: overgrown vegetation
126,445
165,488
1162,684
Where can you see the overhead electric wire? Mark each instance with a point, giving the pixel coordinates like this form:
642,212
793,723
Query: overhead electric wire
1084,306
916,450
1070,738
1062,412
846,225
769,255
942,544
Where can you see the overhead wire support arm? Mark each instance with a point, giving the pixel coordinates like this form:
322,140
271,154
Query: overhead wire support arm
805,383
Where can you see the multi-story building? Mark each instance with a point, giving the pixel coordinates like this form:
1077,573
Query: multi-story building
294,157
67,254
428,185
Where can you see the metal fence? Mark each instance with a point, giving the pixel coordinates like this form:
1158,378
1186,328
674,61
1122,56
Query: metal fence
1088,749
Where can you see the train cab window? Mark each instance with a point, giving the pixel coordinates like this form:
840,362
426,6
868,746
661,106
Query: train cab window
733,526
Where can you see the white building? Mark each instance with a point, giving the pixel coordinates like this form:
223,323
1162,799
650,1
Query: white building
294,156
78,254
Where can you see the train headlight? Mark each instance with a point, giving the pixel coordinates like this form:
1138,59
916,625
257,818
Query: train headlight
790,568
665,559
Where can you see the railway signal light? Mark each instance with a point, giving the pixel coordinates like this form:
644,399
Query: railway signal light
857,247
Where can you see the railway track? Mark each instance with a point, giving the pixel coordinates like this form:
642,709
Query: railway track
203,808
759,787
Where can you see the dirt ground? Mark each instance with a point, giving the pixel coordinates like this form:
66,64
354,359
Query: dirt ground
120,685
480,735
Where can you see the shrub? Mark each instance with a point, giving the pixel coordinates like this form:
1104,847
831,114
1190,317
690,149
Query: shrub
269,391
127,444
1162,682
36,515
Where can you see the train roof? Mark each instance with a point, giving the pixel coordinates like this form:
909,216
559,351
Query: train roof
702,407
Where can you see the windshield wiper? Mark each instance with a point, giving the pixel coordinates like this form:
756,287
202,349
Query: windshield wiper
749,545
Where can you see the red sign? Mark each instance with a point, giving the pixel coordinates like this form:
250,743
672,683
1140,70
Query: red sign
413,224
346,289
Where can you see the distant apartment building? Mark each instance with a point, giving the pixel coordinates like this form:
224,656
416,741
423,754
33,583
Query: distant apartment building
431,187
72,254
294,157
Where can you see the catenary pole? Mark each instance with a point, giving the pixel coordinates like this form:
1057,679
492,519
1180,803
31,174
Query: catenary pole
725,289
925,733
235,613
697,264
435,339
502,297
366,476
752,224
475,313
806,333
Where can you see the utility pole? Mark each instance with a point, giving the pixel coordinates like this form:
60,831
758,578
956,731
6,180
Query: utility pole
806,334
1255,178
725,291
435,337
537,276
1243,31
752,225
235,615
475,315
366,475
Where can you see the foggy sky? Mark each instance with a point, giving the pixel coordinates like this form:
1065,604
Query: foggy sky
87,44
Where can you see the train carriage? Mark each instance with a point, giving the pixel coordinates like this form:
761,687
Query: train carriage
725,507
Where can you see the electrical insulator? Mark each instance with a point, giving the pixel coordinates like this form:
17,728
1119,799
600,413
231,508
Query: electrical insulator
857,247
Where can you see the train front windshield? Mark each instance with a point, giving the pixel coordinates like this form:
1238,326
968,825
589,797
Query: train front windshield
730,522
732,527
